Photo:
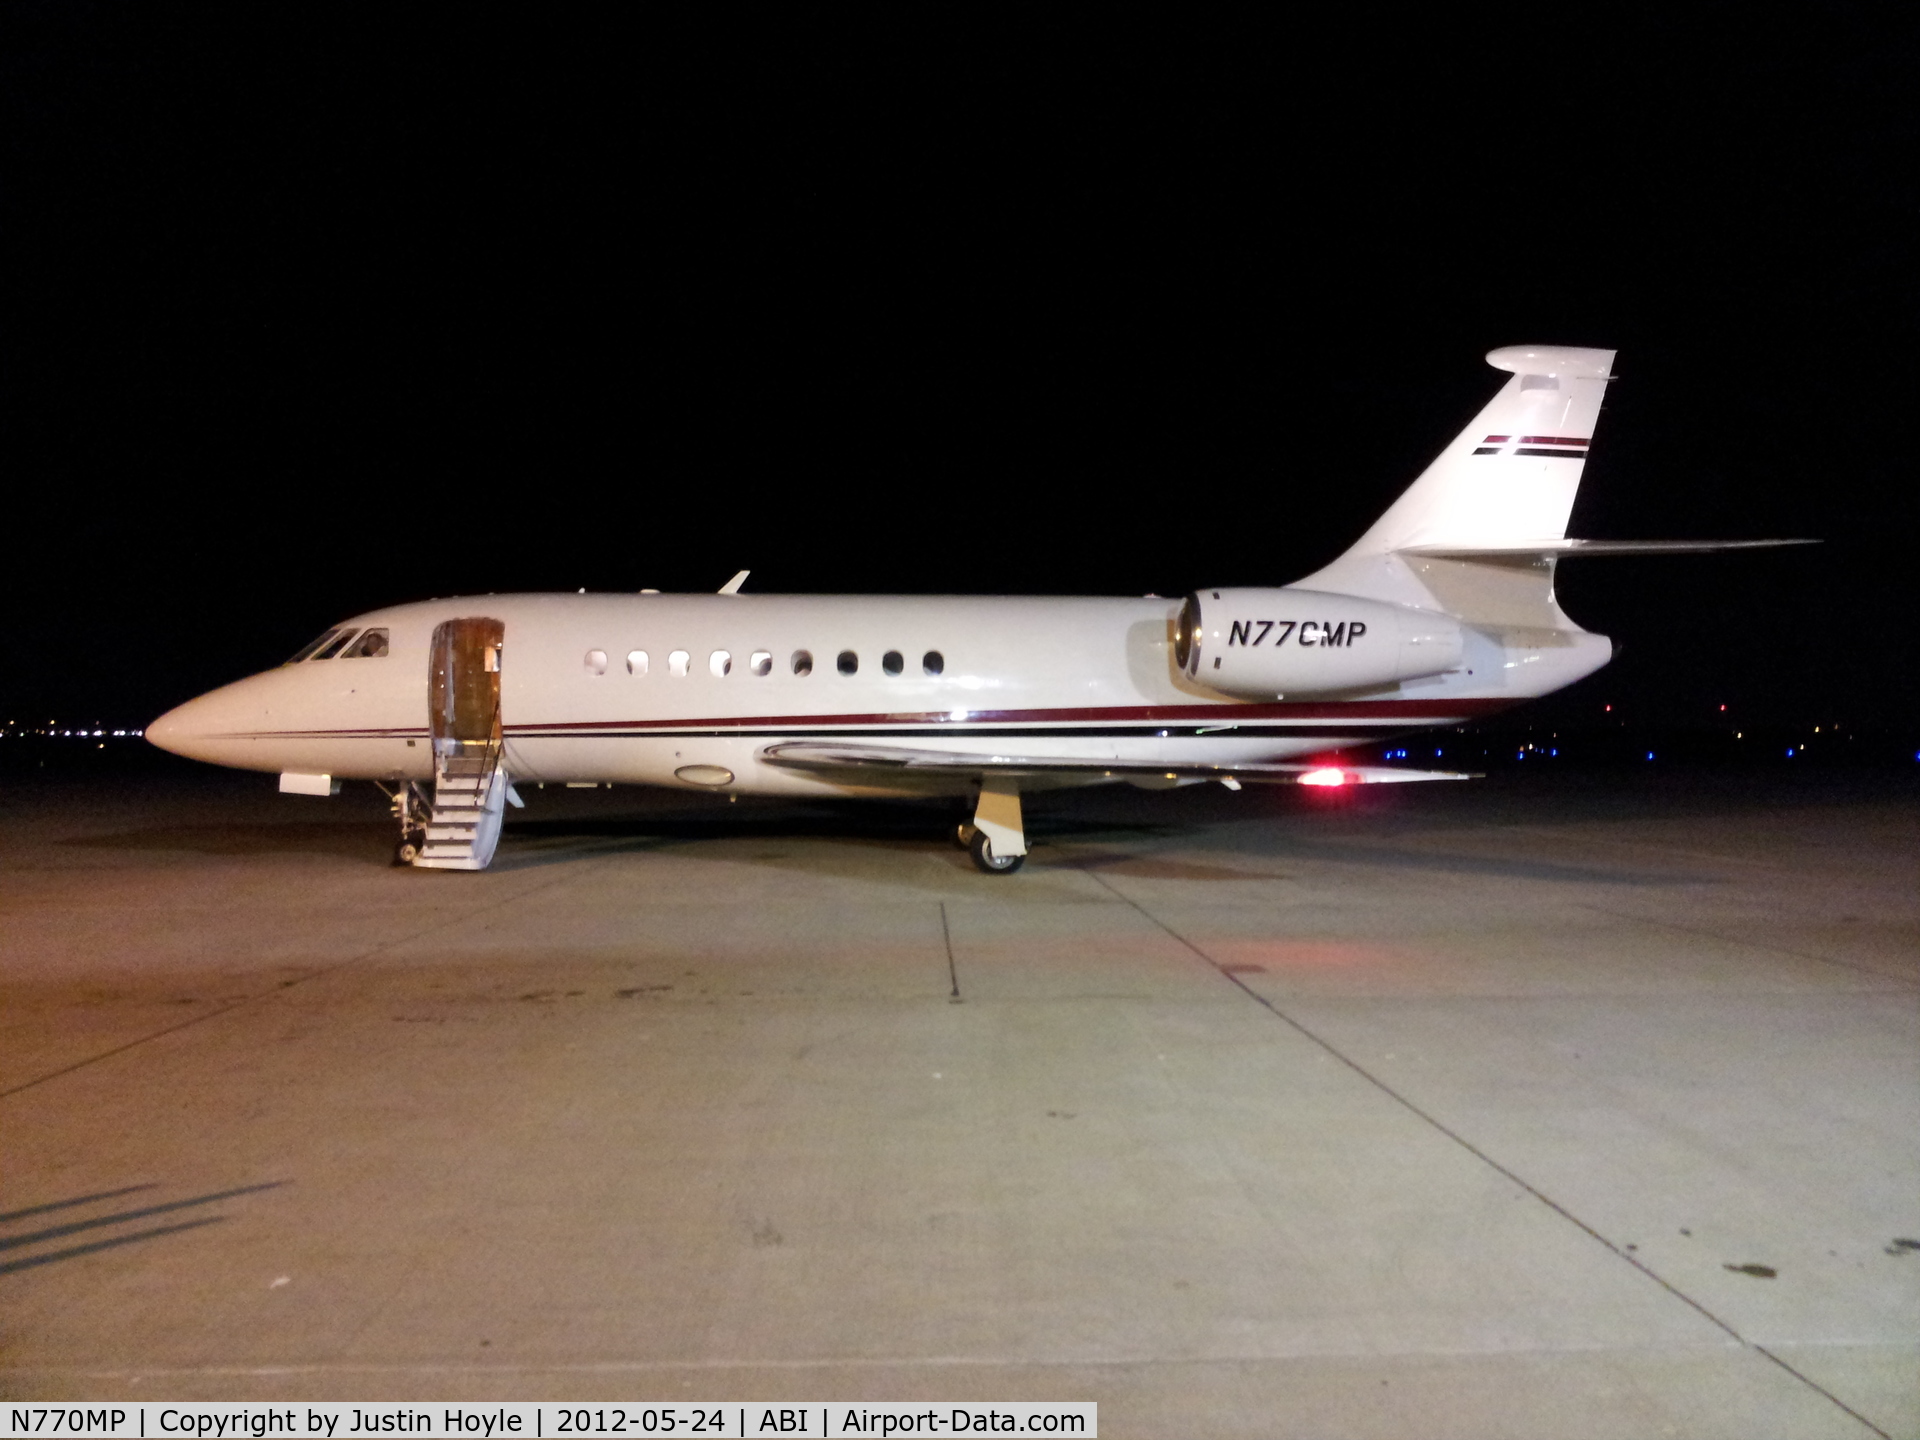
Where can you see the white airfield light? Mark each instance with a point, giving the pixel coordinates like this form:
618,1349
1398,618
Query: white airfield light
1443,612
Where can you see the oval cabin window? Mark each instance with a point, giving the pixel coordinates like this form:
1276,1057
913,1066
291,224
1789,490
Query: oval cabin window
596,662
761,663
677,664
933,662
848,663
892,663
803,662
720,663
636,662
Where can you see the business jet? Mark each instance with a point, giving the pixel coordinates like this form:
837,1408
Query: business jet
1442,612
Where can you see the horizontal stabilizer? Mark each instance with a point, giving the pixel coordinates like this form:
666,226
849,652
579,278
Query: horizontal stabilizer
1564,549
819,755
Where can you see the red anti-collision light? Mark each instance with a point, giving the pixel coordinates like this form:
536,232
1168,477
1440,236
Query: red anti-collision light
1327,776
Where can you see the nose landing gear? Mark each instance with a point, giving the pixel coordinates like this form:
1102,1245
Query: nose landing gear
413,810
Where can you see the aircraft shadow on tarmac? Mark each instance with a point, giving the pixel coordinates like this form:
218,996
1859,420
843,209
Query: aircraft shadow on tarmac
12,1240
553,841
546,841
558,839
350,838
530,843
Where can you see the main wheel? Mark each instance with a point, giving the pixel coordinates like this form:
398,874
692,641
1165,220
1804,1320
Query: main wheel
989,863
409,848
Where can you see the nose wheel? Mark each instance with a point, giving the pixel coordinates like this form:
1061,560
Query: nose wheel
412,809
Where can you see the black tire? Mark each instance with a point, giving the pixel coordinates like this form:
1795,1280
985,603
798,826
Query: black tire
409,848
989,863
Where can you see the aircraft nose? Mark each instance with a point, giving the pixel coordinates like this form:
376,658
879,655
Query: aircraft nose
178,729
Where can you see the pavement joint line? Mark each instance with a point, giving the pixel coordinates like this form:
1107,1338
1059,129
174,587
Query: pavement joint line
946,935
458,918
1486,1159
1898,980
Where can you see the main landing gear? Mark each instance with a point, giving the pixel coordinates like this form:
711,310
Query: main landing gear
412,809
996,838
990,861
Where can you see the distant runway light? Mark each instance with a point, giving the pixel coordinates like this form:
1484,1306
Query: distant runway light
1327,776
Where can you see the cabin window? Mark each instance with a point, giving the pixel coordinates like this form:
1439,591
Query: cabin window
677,664
596,662
892,663
306,651
803,662
848,663
334,646
933,662
636,662
720,663
370,646
761,663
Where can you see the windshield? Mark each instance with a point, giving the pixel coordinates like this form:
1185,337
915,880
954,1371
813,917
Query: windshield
306,651
373,643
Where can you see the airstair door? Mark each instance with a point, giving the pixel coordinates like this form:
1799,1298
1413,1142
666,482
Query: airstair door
469,782
463,685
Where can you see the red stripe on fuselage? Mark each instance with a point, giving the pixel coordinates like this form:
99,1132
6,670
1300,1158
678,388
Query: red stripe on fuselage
1435,711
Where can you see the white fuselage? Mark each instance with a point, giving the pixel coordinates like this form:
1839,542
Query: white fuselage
1033,676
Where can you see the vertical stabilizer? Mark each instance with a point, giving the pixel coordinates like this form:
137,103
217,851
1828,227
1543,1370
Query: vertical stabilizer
1508,478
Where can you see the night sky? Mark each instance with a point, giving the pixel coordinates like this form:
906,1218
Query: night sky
310,309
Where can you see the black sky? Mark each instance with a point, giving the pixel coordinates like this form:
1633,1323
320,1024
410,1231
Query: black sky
309,309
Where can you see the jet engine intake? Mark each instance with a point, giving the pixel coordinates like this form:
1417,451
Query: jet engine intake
1268,644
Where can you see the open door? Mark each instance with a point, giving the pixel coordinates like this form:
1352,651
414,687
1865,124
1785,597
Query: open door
463,713
463,687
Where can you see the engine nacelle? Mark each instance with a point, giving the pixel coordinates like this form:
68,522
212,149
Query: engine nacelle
1269,644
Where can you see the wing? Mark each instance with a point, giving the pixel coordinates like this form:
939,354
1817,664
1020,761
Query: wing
892,759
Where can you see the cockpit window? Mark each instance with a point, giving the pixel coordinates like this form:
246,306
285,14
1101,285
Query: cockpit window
370,646
334,646
306,652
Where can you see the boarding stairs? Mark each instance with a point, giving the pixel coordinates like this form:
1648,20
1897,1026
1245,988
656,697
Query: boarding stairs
470,793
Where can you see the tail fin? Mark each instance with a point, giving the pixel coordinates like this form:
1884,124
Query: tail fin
1507,480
